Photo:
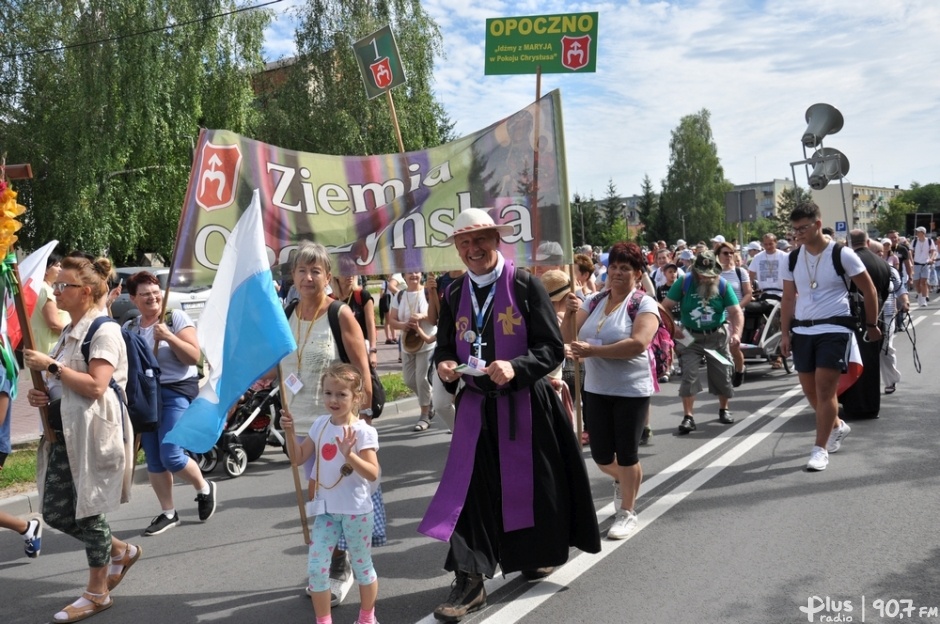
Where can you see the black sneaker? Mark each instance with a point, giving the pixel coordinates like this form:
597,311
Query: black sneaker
467,595
161,523
687,425
645,436
725,417
206,502
737,379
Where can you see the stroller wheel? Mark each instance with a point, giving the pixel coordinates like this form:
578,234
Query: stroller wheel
206,461
236,460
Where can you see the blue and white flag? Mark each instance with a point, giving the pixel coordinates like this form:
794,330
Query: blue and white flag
242,331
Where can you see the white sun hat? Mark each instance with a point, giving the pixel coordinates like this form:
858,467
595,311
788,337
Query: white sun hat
475,220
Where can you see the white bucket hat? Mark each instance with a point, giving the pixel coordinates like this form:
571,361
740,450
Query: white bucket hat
475,220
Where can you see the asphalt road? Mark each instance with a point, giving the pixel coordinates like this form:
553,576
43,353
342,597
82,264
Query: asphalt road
732,529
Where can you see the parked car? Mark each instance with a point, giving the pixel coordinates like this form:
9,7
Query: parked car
190,300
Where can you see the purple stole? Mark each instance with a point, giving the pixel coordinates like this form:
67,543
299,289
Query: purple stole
514,422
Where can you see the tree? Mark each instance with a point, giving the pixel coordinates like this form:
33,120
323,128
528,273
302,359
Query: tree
790,198
612,208
106,102
648,208
894,217
695,186
322,106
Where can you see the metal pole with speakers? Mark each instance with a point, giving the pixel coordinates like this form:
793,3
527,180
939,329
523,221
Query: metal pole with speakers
827,163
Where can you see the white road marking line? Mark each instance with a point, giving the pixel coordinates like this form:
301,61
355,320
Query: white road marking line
543,590
522,605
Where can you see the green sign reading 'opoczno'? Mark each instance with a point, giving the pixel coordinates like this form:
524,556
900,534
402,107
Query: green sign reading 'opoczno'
556,44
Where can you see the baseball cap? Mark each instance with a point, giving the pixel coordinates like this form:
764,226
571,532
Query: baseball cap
782,244
718,239
921,229
754,245
686,254
680,243
706,264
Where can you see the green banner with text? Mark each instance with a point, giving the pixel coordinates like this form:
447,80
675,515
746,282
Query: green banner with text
558,44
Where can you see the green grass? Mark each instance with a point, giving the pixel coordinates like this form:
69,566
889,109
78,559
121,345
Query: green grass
20,467
395,387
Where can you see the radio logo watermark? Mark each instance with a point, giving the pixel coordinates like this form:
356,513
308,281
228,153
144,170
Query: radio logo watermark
827,610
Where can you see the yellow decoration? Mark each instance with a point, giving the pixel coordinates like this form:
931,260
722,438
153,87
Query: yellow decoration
9,211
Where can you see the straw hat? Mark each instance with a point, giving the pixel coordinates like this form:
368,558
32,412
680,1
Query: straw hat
475,220
557,284
411,342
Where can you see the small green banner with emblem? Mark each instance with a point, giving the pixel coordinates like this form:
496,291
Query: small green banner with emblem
554,44
379,62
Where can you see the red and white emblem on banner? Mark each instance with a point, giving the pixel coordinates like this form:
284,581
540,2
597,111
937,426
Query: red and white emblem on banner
575,51
381,72
218,176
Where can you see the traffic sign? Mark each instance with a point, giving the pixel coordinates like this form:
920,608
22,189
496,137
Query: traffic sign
841,226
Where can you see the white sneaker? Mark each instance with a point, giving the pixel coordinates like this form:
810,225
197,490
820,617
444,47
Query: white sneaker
818,459
835,438
922,301
624,524
618,497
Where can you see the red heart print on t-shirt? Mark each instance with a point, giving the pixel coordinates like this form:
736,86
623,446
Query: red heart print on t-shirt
329,451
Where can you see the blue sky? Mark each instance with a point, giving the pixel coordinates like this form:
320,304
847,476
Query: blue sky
756,66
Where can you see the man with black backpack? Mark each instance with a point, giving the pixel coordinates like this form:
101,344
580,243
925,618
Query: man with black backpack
822,325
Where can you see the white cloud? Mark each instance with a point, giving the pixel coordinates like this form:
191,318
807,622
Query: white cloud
756,65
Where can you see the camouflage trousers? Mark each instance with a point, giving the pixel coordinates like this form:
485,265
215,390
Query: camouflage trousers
58,510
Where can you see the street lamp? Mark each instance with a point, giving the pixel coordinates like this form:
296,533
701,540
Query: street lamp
682,218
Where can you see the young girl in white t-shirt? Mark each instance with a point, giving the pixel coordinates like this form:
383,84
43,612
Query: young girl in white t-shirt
344,467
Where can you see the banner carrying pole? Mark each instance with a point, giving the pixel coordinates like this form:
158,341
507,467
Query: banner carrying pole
391,110
291,442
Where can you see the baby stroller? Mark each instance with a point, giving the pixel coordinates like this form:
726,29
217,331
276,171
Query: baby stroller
763,342
249,428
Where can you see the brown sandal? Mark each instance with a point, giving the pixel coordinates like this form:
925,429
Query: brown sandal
98,604
126,561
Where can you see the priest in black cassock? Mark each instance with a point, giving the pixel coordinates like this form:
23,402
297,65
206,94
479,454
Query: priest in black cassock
515,491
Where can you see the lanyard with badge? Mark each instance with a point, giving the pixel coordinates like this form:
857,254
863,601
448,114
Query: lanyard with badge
476,337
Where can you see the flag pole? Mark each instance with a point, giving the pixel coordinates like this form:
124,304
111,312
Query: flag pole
579,420
291,442
25,172
391,110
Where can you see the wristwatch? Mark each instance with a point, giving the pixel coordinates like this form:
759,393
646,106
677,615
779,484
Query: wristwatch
373,350
55,370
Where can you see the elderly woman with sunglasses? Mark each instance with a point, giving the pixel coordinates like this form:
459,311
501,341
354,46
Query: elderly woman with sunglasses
740,281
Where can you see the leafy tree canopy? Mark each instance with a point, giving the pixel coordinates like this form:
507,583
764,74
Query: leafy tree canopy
106,102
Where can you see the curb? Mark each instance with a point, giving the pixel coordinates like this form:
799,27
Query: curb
27,503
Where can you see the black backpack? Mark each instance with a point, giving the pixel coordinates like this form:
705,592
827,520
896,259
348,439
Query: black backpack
142,393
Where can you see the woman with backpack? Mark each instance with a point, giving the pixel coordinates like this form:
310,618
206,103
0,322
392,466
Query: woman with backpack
85,459
359,300
613,332
740,281
177,354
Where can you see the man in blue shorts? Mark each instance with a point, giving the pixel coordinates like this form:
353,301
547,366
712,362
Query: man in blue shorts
822,323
